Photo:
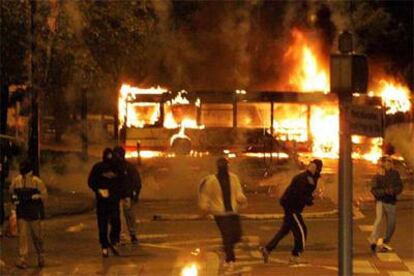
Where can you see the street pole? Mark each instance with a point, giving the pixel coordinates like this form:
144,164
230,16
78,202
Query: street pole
84,120
34,120
345,188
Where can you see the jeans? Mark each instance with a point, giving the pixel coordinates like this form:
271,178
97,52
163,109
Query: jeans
129,214
108,216
34,228
388,211
230,229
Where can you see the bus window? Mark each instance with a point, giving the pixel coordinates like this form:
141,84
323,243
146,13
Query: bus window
253,115
217,115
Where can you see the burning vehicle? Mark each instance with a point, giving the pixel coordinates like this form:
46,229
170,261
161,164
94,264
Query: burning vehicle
271,126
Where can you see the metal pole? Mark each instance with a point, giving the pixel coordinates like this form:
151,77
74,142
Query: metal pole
84,119
34,122
345,189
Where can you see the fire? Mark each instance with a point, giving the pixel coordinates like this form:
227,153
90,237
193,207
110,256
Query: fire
128,111
395,95
325,130
307,75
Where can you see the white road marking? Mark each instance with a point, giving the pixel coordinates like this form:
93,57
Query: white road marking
399,273
366,228
364,267
388,257
410,265
161,245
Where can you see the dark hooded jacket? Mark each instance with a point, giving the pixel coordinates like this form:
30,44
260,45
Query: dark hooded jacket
107,175
299,193
390,181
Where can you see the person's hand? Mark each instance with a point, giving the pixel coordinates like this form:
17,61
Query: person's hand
103,193
36,196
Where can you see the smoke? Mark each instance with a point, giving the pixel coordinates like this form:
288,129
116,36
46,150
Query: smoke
401,136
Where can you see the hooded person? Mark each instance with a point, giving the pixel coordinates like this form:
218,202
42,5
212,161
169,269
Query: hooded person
296,196
221,195
386,186
133,186
106,181
28,193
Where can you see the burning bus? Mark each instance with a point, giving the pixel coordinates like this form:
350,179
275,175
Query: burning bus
269,125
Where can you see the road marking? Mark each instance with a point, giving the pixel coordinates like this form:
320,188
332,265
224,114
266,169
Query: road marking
161,245
388,257
410,265
213,262
399,273
366,228
364,267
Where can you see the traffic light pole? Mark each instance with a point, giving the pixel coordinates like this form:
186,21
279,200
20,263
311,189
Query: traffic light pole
345,188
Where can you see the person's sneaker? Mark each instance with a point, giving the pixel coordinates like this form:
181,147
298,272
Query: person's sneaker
293,260
384,248
41,261
105,252
265,254
114,249
21,264
389,248
373,247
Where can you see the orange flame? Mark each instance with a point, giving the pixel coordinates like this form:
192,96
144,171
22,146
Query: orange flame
395,95
307,74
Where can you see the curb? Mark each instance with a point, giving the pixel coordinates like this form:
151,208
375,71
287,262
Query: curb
271,216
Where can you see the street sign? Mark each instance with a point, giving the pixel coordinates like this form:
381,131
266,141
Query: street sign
367,120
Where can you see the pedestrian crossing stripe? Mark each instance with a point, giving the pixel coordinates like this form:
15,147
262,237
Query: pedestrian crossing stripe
388,257
366,228
399,273
364,267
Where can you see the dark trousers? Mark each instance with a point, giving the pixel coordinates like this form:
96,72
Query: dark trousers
230,229
292,221
108,217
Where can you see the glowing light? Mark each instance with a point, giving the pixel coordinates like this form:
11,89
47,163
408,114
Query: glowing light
396,96
190,270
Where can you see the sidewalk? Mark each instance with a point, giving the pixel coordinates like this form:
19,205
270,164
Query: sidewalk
260,206
62,203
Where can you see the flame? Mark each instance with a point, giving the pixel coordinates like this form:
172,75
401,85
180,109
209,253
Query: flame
307,74
395,95
127,111
325,131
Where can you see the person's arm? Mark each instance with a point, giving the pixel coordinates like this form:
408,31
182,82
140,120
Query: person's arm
240,197
397,185
92,179
203,196
377,189
42,189
136,178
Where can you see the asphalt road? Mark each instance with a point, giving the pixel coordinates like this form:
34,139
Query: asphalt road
168,246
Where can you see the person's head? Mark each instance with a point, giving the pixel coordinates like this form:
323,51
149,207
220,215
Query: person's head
107,154
387,164
25,167
315,167
119,152
222,164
